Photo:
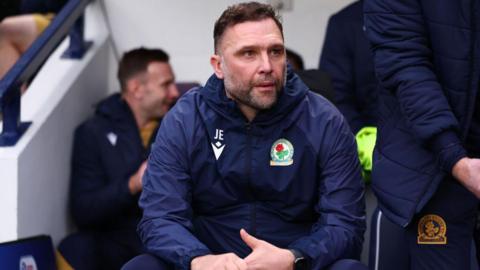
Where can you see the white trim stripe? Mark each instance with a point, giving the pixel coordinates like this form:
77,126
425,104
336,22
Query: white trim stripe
377,244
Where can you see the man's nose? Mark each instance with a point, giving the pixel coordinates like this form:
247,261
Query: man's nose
265,63
173,92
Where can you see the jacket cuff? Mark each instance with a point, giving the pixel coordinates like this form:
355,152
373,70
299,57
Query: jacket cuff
187,260
448,149
301,246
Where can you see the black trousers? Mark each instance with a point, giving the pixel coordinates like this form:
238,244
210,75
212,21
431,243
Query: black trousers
100,250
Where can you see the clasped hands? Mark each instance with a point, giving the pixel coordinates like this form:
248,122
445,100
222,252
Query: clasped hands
263,256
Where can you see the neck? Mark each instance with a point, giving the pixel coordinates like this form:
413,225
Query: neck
247,111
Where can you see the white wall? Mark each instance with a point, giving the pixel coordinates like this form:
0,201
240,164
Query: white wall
8,197
35,172
184,28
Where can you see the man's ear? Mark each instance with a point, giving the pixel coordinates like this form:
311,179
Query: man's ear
134,86
216,62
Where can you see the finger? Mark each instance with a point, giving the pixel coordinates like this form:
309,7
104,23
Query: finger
251,241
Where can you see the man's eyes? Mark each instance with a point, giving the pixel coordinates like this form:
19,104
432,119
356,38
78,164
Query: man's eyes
248,53
276,52
253,53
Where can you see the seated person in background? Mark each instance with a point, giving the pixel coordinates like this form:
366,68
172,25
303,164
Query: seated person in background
109,156
295,60
317,80
18,32
252,171
347,58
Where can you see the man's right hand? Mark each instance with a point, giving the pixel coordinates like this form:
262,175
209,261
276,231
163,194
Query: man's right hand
135,182
467,172
228,261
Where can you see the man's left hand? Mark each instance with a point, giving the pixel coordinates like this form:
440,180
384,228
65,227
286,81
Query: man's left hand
265,255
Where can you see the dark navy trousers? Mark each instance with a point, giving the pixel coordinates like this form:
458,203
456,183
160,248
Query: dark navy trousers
439,237
150,262
100,250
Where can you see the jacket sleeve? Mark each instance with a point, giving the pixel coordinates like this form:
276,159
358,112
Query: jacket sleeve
403,65
166,226
337,61
338,232
94,200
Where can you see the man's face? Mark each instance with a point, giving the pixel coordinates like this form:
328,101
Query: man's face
159,89
251,61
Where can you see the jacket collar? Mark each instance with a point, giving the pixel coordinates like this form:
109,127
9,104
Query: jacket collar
290,96
116,109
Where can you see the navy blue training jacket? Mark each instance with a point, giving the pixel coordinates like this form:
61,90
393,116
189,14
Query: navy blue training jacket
427,60
347,58
195,204
107,151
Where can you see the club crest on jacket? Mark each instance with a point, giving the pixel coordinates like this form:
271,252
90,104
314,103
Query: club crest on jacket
281,153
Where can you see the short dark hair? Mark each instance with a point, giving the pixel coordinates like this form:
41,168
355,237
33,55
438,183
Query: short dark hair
136,61
244,12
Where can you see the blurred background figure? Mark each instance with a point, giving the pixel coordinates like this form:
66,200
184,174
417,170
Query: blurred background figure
109,159
346,57
21,23
317,80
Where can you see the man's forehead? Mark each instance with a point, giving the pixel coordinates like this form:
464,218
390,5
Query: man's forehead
160,70
252,33
158,67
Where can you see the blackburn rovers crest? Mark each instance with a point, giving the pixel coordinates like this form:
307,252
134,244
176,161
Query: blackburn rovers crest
281,153
432,230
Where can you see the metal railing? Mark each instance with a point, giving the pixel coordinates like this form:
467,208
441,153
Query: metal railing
69,19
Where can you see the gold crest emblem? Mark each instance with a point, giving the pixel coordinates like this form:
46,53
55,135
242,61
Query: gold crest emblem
432,230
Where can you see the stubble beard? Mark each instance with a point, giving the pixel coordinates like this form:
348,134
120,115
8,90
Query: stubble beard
243,92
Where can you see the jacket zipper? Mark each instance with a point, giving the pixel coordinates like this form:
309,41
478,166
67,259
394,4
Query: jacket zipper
248,170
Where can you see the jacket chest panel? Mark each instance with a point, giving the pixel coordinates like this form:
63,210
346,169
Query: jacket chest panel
121,155
254,165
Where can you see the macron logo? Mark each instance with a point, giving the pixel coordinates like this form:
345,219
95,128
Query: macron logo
218,146
218,149
112,138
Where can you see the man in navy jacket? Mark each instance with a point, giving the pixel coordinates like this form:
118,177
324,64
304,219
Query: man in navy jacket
252,171
109,159
426,172
346,57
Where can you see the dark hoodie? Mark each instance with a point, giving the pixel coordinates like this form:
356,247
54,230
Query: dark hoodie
212,173
107,151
